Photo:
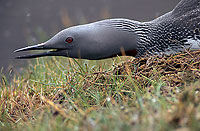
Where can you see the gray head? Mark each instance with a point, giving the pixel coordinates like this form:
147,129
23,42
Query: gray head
97,40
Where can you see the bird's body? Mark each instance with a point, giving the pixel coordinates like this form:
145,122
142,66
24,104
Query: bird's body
173,32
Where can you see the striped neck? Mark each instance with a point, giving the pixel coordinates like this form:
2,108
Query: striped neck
141,29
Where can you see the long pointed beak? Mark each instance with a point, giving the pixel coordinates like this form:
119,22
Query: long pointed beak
42,46
34,47
49,53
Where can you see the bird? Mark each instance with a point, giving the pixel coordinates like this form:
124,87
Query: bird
170,33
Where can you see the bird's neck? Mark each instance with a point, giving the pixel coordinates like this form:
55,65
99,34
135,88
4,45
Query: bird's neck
142,31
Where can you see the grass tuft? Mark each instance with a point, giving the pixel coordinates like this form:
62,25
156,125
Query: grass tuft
149,93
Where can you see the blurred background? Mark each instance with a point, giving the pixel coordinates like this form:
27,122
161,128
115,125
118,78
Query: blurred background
27,22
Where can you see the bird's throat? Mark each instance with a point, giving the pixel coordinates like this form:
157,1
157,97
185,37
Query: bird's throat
126,53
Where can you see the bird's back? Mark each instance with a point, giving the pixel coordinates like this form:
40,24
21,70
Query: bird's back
175,31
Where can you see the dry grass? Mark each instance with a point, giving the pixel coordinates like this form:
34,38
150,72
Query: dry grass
154,93
175,70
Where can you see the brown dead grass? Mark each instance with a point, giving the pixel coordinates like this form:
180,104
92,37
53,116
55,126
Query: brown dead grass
175,70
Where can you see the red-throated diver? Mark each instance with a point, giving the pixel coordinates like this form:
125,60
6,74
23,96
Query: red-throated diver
173,32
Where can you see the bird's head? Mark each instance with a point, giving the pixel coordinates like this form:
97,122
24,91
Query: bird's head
93,41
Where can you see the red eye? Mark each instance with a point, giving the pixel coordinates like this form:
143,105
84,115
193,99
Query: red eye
69,40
